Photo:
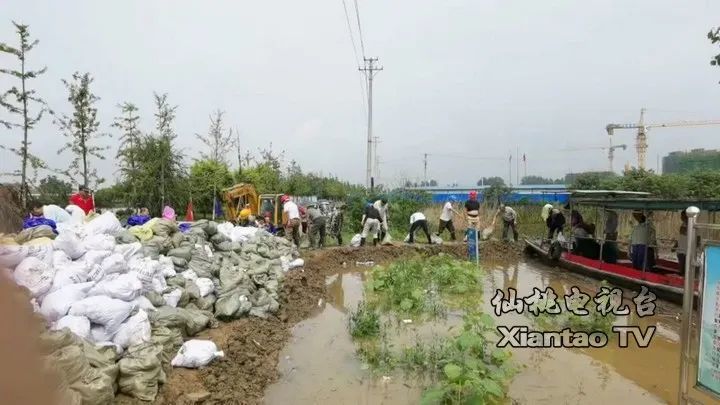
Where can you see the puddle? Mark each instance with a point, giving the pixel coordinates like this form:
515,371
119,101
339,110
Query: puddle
319,364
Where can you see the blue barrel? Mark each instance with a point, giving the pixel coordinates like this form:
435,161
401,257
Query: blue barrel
472,241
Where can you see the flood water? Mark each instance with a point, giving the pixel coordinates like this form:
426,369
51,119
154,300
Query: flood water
319,364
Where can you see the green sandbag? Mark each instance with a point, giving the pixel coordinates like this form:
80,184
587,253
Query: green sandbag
184,297
177,239
140,371
183,252
125,237
205,303
76,373
53,340
179,262
155,298
41,231
169,339
227,307
164,228
189,322
176,281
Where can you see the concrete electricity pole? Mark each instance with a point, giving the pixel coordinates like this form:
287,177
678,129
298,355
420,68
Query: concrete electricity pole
376,159
425,167
370,70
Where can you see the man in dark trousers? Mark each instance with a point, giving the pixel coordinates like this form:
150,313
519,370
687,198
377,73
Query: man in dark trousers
418,220
317,222
371,222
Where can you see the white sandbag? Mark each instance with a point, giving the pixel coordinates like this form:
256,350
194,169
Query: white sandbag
146,269
43,252
77,215
103,310
436,240
124,287
189,275
173,297
68,242
60,259
35,275
144,304
78,325
106,223
355,241
95,273
115,263
407,238
57,214
196,353
129,250
387,240
242,233
11,255
99,242
166,266
158,284
93,257
98,334
205,285
296,263
225,229
133,331
56,304
70,273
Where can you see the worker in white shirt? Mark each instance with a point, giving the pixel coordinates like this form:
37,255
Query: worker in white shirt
446,219
509,217
382,206
291,219
418,220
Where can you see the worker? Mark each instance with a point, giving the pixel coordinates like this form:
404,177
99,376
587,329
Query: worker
509,217
317,222
642,243
337,217
168,213
37,218
243,218
446,219
291,219
555,222
140,218
83,199
472,210
611,225
418,220
382,206
371,221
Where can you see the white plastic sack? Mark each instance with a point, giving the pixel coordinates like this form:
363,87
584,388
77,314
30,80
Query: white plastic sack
124,287
98,334
57,214
189,275
69,243
93,257
407,238
70,273
11,255
77,215
35,275
103,310
226,229
196,353
355,241
128,250
173,297
166,266
158,284
242,233
296,263
146,269
106,223
56,304
95,273
436,240
144,304
115,263
205,285
60,259
78,325
99,242
134,331
387,240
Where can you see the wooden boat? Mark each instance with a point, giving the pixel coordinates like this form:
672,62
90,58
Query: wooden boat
664,279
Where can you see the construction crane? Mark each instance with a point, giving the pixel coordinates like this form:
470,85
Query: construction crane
610,149
641,140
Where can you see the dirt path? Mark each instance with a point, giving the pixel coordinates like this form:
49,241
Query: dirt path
252,345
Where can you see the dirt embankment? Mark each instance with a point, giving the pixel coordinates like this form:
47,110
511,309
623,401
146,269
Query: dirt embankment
252,345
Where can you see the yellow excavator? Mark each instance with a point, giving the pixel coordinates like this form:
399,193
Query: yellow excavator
264,205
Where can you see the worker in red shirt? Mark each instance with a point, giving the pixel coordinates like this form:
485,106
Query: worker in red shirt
83,199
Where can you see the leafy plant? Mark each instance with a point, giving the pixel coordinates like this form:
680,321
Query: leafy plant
364,322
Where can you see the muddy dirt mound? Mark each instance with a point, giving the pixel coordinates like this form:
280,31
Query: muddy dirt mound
501,251
11,212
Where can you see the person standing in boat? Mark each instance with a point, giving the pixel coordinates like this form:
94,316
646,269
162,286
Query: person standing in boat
554,220
642,243
680,247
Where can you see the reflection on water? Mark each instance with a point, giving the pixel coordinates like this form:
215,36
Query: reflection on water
319,364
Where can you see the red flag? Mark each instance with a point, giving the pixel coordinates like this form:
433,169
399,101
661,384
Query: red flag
189,214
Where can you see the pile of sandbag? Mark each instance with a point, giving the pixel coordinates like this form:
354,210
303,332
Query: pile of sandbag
118,302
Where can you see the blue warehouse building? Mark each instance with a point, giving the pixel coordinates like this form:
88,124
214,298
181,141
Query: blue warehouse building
532,194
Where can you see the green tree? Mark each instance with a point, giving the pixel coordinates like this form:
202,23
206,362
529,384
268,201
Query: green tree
491,181
17,101
714,37
207,179
539,180
589,180
156,158
263,176
217,140
496,193
54,191
81,129
170,160
130,134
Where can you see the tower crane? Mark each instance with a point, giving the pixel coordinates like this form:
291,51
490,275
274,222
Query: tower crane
610,149
641,144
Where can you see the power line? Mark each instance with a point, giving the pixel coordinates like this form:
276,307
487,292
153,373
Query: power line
362,43
357,59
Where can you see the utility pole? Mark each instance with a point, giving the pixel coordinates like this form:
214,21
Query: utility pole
370,70
517,165
425,168
239,155
510,170
376,159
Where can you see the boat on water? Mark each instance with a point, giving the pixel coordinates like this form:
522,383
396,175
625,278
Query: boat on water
662,276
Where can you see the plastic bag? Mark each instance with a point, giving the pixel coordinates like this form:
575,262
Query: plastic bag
106,223
69,243
296,263
93,257
196,353
134,331
99,242
140,371
205,285
355,241
124,287
173,297
71,273
56,304
78,325
12,254
436,240
115,263
189,275
35,275
103,310
129,250
144,303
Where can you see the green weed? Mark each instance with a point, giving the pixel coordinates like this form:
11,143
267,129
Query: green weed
364,322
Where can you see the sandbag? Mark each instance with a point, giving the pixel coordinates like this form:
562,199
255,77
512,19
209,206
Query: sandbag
142,233
72,273
79,325
129,250
173,297
52,340
190,322
165,228
155,298
134,331
124,287
181,252
69,243
105,223
296,263
143,303
205,286
355,241
36,232
56,304
166,266
205,303
35,275
436,240
60,259
196,353
125,237
75,372
12,254
98,242
115,263
103,310
99,334
179,262
169,339
140,371
93,257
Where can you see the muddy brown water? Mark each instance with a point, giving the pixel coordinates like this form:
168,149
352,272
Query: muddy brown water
319,364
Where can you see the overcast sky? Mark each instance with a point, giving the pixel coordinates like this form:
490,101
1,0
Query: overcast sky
462,78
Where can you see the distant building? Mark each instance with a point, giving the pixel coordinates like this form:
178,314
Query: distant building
696,159
571,177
